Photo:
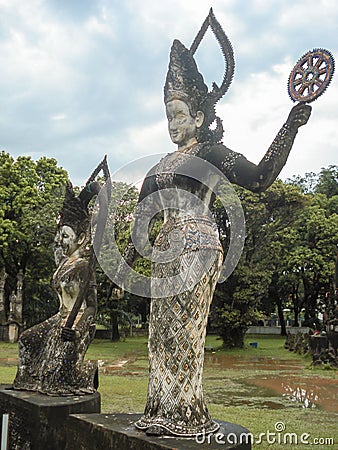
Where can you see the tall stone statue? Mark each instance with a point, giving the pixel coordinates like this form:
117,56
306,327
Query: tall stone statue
175,403
51,354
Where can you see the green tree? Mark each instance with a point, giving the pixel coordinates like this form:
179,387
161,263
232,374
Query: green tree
301,249
253,289
31,195
237,301
112,310
328,182
284,203
306,183
312,258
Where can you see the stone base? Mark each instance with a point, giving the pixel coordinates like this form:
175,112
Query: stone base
117,432
41,422
38,421
10,332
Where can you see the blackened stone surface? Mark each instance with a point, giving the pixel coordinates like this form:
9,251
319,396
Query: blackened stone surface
117,432
38,421
73,423
317,343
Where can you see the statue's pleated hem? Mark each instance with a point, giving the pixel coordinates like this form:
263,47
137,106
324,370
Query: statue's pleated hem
175,429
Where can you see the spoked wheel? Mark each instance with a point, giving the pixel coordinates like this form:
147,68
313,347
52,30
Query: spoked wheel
311,75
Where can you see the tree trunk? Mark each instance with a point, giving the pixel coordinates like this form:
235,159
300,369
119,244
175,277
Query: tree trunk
233,338
281,317
115,334
296,322
296,305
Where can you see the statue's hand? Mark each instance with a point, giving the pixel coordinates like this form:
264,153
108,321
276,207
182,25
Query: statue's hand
69,335
299,115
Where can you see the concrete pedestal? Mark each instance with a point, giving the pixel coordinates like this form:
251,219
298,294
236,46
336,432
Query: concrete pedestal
117,432
13,332
41,422
10,332
38,421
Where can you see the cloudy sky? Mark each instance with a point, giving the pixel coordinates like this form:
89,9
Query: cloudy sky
84,78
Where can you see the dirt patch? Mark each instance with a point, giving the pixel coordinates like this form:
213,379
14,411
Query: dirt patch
8,361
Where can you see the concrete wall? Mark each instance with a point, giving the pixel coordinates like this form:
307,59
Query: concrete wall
275,330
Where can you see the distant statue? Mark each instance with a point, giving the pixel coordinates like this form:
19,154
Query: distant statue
12,304
3,277
18,300
51,354
15,302
177,329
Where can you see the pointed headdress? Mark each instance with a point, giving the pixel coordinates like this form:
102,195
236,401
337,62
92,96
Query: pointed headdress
185,82
74,212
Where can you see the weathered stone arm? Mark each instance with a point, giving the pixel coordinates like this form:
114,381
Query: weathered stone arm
275,158
91,301
259,177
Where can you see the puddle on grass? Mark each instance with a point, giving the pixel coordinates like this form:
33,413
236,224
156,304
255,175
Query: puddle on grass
274,391
278,393
118,368
238,392
224,361
308,392
276,386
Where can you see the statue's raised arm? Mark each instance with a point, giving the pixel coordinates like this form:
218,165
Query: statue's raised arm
259,177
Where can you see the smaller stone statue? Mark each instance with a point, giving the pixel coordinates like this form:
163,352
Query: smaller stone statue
51,354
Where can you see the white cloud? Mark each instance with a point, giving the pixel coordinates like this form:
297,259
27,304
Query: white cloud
60,116
316,12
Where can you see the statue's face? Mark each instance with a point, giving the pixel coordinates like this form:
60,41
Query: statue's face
66,240
182,126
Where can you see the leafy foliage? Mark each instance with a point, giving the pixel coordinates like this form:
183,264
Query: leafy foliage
289,256
288,259
31,194
113,311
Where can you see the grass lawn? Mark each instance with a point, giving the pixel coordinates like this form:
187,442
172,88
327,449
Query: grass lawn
238,384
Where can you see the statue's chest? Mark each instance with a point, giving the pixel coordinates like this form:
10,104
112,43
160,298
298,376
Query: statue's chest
183,180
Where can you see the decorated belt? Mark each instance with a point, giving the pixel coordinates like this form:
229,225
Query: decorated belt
189,233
